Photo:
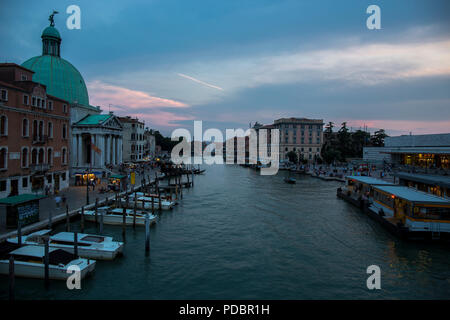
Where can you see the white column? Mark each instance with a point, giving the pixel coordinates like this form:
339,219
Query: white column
120,150
113,150
80,150
102,148
108,149
92,150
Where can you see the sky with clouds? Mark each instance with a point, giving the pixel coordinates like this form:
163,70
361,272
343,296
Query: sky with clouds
230,63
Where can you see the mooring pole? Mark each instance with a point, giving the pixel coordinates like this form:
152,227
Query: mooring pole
124,216
96,212
101,222
19,233
50,216
11,278
46,263
147,234
82,219
67,219
134,210
75,245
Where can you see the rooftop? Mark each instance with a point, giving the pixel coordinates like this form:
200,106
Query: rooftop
370,180
442,181
20,199
413,195
94,119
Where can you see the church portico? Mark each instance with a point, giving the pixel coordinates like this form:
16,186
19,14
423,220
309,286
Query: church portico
98,140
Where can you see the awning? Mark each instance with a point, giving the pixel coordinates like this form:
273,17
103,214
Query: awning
21,199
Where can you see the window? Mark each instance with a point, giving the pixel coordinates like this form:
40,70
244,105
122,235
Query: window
49,156
3,185
50,105
50,130
318,140
65,108
33,156
41,156
4,94
25,128
3,125
38,102
25,182
63,176
25,157
3,158
26,99
43,103
33,101
49,178
24,77
64,131
64,156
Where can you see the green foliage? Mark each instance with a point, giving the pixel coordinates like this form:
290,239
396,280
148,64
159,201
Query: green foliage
345,144
165,142
292,156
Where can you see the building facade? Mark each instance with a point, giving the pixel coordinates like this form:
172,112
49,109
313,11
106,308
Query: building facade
430,151
150,144
34,134
300,135
133,136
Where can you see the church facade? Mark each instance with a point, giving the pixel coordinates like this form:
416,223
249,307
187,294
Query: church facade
96,138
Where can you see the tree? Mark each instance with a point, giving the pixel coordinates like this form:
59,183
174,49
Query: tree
377,140
292,157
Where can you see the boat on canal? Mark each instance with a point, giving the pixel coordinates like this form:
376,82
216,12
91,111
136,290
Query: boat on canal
145,202
90,246
29,263
414,214
114,216
290,180
358,189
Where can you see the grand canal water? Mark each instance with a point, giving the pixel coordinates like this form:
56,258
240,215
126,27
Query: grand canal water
239,235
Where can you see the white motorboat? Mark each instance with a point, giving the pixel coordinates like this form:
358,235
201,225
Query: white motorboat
115,216
29,263
165,204
89,245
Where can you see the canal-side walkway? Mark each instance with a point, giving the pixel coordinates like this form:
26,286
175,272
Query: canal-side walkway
75,199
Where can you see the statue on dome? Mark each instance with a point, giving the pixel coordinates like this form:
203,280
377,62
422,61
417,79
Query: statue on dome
51,19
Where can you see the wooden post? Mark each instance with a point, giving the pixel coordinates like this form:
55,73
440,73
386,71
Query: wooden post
96,212
147,234
181,187
11,278
159,199
82,219
75,245
117,204
19,233
46,263
124,223
50,216
67,219
192,176
153,205
101,222
134,210
176,192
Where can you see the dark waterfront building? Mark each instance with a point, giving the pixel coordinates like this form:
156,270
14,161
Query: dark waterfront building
34,134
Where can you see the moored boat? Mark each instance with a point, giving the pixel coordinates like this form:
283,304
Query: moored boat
29,263
89,245
114,216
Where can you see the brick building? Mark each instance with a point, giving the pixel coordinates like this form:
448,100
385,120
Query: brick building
34,134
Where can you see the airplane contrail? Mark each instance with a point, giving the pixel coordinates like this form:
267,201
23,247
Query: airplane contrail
201,82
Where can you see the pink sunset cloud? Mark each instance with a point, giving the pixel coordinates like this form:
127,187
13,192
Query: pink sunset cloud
400,126
103,94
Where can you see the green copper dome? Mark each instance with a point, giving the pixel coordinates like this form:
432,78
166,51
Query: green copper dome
62,79
51,32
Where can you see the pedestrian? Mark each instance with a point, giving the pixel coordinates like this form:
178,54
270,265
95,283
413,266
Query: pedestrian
93,185
58,201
